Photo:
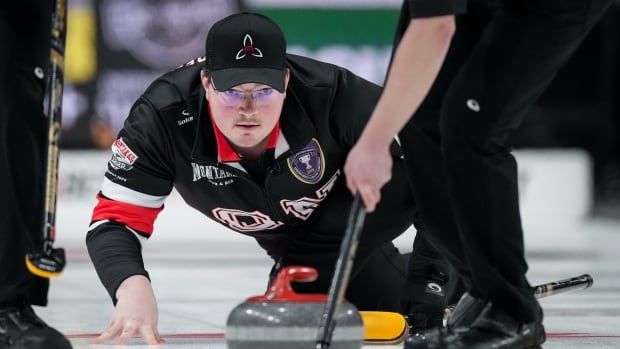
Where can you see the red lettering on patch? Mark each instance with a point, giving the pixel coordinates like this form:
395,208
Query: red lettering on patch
119,147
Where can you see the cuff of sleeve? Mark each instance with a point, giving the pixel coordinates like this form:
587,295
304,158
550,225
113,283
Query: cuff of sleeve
115,253
113,287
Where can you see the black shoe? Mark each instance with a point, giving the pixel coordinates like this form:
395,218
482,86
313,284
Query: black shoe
464,312
426,301
21,328
492,329
462,315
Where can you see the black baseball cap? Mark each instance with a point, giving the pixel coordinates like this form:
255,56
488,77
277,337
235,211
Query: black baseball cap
246,47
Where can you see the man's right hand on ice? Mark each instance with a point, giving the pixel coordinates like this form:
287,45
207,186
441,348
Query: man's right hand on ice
135,313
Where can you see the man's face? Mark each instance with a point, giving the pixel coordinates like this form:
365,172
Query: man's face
245,114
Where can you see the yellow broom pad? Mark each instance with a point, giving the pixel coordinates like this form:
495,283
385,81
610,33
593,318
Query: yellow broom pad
382,327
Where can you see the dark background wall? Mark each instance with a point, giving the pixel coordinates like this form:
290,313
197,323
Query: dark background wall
581,109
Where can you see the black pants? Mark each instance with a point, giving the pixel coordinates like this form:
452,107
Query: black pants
380,272
22,146
457,144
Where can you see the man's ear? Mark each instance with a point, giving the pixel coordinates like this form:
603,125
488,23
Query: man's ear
204,79
287,77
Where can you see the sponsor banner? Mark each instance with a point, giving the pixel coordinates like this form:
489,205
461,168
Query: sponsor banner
158,34
358,36
355,27
369,62
116,48
327,3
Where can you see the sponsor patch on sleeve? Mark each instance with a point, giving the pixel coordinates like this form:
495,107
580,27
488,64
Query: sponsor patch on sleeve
122,156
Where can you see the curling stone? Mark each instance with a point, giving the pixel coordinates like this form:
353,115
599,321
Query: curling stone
284,319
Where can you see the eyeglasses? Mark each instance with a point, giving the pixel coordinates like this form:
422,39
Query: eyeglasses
235,98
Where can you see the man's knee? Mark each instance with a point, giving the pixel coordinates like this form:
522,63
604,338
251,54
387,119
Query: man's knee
379,283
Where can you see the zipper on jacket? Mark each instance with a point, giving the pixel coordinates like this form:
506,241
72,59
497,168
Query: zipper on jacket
271,170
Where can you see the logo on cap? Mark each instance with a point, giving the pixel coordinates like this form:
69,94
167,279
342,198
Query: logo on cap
248,48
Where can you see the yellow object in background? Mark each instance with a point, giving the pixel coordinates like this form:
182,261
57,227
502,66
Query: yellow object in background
382,327
81,52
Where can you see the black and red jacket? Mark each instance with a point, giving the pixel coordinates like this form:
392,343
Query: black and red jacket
169,141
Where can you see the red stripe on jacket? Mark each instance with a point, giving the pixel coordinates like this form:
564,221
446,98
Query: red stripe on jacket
136,217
